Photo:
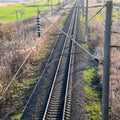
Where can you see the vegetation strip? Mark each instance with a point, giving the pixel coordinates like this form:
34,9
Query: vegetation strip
27,84
93,100
92,95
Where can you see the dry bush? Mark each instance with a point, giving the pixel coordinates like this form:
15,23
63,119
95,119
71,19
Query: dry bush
14,51
96,39
7,31
1,88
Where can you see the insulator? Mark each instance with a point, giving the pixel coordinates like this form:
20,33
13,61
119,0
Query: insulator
39,34
38,26
37,17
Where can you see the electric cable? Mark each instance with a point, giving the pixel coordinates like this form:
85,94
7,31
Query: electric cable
86,51
96,13
96,6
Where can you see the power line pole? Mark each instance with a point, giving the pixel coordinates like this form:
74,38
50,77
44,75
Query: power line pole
105,84
86,21
82,10
17,25
51,7
118,27
23,31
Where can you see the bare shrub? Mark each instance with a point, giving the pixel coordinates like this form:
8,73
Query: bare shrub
14,51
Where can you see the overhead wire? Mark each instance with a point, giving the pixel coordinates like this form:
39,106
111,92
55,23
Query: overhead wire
86,51
96,13
96,6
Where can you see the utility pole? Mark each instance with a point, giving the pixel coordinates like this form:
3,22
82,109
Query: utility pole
118,27
106,72
86,21
23,32
82,2
51,7
17,25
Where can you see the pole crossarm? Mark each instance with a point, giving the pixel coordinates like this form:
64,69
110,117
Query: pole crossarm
97,6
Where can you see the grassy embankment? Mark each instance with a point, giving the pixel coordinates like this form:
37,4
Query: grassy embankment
8,14
92,90
93,98
92,84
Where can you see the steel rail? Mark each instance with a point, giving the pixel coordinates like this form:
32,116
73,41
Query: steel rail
38,80
29,110
53,86
66,110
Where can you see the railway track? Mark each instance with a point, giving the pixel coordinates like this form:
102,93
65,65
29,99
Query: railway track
51,98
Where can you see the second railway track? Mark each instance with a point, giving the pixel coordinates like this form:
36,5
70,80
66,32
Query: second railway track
51,98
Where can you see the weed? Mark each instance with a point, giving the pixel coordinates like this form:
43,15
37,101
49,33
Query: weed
86,46
94,111
90,93
89,74
93,103
16,117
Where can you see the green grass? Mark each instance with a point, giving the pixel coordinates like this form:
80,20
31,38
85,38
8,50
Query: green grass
86,46
93,101
89,74
8,14
115,16
16,117
94,111
101,16
90,93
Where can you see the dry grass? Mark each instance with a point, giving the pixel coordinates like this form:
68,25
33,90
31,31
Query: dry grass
99,29
115,66
13,51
